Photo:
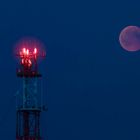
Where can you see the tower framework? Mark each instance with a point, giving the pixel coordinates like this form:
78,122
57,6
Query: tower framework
29,106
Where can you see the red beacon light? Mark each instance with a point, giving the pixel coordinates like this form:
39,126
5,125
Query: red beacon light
35,50
28,61
24,53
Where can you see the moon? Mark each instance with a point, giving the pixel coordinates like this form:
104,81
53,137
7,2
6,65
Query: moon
130,38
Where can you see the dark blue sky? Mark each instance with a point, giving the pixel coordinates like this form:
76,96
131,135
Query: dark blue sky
91,85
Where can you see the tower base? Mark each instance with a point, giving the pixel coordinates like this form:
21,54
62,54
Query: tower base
28,124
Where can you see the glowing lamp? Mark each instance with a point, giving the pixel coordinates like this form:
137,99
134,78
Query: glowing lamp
27,52
35,50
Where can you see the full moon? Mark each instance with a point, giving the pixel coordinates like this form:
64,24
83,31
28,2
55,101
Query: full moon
130,38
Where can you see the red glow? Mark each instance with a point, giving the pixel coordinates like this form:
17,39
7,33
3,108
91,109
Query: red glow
27,52
30,48
35,50
22,61
28,56
30,51
26,62
24,50
29,62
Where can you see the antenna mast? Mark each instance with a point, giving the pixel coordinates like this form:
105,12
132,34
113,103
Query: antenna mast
29,106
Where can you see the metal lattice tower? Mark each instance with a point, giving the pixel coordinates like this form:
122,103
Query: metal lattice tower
29,106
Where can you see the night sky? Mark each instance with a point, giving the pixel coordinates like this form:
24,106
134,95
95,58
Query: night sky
91,85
